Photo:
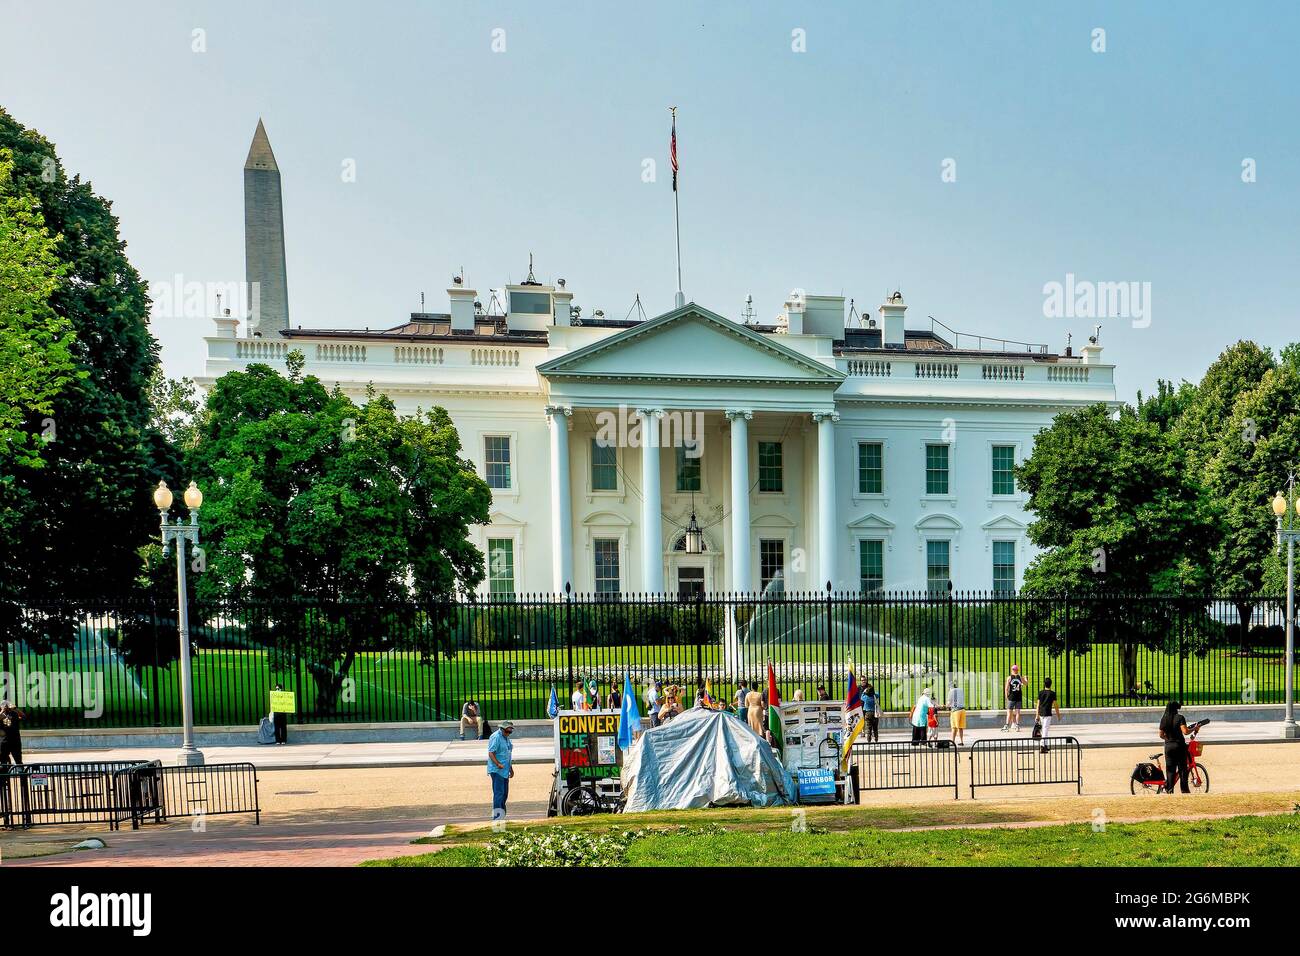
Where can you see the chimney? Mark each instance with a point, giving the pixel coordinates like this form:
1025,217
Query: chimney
462,308
226,325
791,319
563,302
1091,353
891,321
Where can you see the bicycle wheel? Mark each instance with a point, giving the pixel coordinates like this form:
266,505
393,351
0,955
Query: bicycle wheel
1135,787
580,802
1199,780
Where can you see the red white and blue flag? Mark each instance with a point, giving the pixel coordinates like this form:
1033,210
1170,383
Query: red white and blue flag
672,151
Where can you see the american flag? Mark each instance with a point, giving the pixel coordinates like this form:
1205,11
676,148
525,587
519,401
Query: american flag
672,152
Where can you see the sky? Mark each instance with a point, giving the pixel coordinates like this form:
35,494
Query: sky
967,153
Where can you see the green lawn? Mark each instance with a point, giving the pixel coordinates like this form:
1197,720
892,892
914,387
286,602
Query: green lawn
1237,841
231,685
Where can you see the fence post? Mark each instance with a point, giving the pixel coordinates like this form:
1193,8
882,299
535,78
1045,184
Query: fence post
157,703
568,631
1178,608
830,643
952,664
1067,648
437,677
699,640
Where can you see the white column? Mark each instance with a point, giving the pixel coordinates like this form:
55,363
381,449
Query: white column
652,534
561,500
825,498
740,580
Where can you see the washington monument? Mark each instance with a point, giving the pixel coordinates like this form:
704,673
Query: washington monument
268,293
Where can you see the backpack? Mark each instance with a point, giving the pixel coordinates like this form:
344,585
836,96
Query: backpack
1147,773
1038,728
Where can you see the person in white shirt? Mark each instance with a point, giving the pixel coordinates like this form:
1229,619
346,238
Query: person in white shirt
652,702
579,698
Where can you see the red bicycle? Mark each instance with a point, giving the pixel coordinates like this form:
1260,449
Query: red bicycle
1150,777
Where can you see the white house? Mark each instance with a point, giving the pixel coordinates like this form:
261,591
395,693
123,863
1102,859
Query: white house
864,454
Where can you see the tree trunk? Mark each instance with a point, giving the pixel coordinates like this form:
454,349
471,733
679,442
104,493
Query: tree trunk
330,683
1129,667
1245,612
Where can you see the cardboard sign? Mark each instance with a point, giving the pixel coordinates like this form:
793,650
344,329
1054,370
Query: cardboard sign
282,702
588,740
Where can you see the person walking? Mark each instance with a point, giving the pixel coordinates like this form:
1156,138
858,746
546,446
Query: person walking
871,708
1047,706
1014,690
1173,731
499,767
652,701
921,717
957,713
11,743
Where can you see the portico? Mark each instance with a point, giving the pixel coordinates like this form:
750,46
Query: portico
668,417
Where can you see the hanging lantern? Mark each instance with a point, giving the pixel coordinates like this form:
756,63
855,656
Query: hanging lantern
694,536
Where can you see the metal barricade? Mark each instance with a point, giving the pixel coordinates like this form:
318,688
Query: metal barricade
1014,763
905,766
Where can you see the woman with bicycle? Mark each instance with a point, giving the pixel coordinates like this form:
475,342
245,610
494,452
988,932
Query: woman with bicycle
1173,731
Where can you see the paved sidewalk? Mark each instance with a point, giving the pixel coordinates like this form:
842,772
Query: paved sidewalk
541,750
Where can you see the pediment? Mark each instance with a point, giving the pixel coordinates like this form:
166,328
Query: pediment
938,522
607,519
1003,523
772,521
691,344
872,522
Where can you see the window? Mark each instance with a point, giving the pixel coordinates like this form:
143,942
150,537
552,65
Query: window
871,471
501,566
937,568
607,579
530,303
771,561
1004,478
936,469
1004,567
688,468
770,477
604,467
496,460
871,563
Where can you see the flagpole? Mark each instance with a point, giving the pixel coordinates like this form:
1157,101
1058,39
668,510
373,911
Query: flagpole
677,214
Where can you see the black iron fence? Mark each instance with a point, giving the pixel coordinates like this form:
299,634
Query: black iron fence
114,663
1015,763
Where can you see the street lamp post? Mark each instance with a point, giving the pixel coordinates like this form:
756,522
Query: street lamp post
178,534
1289,507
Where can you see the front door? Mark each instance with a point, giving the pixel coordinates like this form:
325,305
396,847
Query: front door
690,582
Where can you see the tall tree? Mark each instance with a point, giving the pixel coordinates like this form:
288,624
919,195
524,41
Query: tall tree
75,520
310,496
35,343
1255,449
1237,370
1116,513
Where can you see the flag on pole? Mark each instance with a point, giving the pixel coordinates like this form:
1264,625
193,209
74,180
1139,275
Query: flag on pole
707,695
672,150
629,718
854,717
553,705
774,709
